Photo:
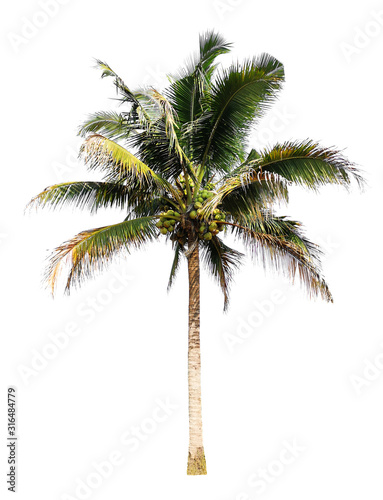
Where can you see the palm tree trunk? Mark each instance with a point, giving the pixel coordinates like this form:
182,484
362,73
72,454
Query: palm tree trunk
196,460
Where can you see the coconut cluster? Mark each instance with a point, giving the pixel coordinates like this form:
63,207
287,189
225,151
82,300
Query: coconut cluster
206,228
167,221
211,227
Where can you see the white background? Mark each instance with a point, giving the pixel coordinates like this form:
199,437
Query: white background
295,376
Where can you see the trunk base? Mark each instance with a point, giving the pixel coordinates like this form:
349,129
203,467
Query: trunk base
197,463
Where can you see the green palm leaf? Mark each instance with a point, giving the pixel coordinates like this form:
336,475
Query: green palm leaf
247,193
169,115
308,164
175,265
98,152
114,126
89,251
90,195
239,95
121,87
120,165
285,254
221,261
187,90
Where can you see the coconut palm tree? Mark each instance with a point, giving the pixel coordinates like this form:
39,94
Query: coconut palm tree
178,163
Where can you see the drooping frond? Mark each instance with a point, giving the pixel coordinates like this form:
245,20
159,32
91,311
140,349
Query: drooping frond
285,255
221,261
90,195
89,251
307,164
175,265
268,223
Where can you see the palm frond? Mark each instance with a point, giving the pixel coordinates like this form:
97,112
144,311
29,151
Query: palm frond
138,112
239,95
211,45
247,192
90,195
153,148
175,265
146,206
267,222
306,163
286,255
193,82
120,165
221,261
169,116
89,251
98,152
250,195
121,87
114,126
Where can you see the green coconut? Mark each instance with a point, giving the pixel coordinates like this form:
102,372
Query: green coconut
163,230
167,223
197,205
159,224
170,229
207,236
202,228
204,194
193,214
213,226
